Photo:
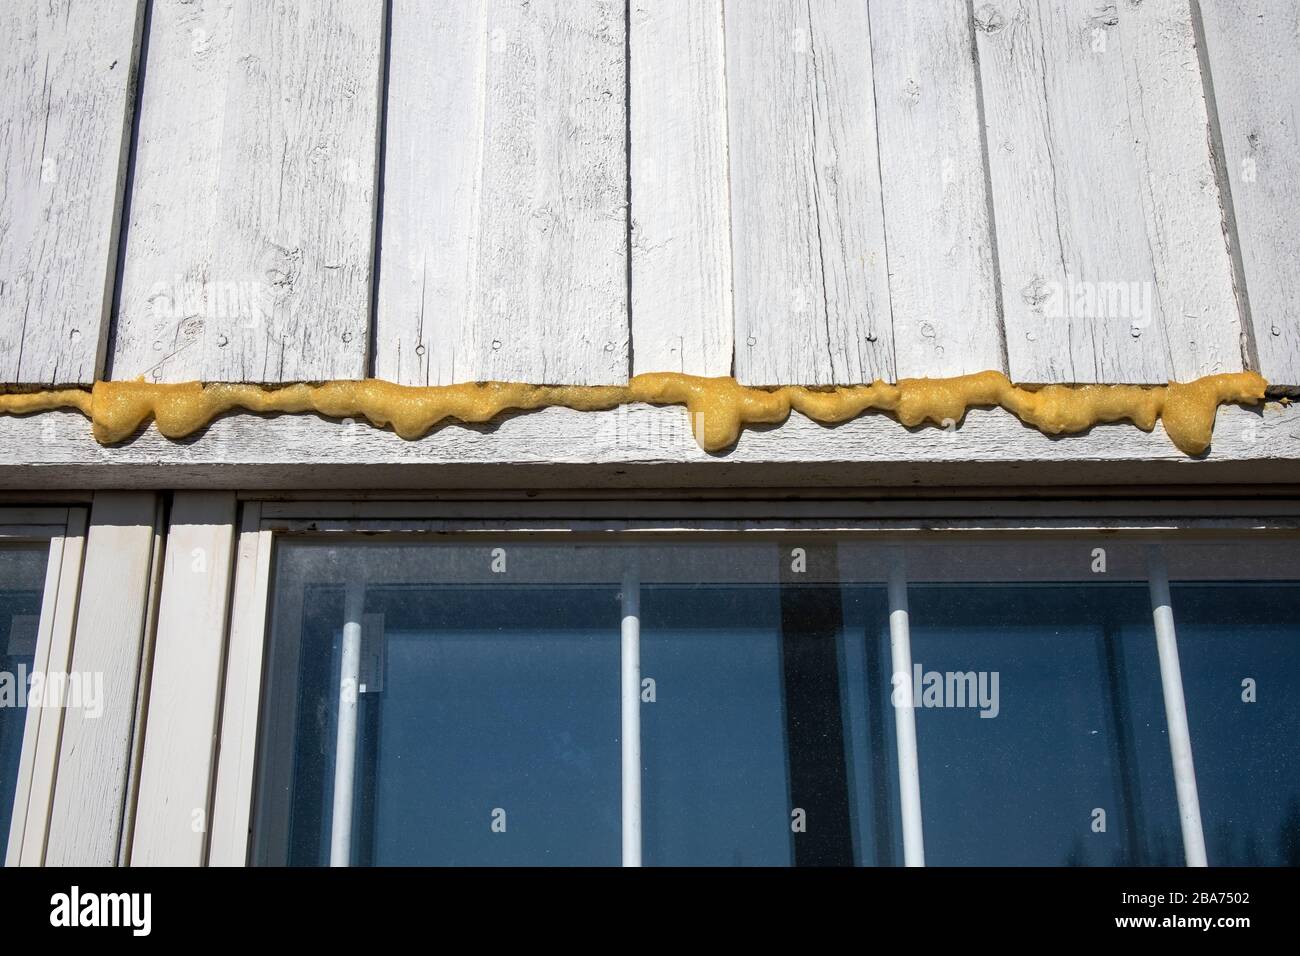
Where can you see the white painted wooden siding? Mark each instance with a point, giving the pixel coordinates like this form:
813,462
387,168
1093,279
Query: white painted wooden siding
1253,51
942,284
249,248
810,271
504,231
1103,187
431,162
1181,204
816,192
681,315
66,88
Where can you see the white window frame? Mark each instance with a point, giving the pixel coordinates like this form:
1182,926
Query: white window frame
234,729
64,531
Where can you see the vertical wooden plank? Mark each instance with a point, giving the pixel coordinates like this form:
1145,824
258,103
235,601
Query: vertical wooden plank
237,749
434,135
1253,54
50,719
681,221
185,688
95,749
1182,203
305,94
250,240
1110,242
942,283
551,286
176,202
505,241
66,97
1064,188
810,271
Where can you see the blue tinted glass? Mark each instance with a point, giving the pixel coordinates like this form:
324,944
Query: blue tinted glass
868,719
488,716
482,697
762,745
22,572
490,737
713,743
1239,648
1069,678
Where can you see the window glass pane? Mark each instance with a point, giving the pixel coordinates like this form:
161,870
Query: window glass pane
1239,648
487,717
868,720
1074,738
491,691
1040,724
713,743
22,581
487,730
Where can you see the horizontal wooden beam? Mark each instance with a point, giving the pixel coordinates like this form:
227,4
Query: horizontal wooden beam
639,447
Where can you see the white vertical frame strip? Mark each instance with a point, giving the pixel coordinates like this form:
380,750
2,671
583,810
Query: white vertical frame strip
32,718
96,749
909,774
185,689
144,671
35,784
345,744
1180,738
236,751
49,734
631,730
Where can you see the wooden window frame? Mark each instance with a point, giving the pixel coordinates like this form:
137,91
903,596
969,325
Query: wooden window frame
64,531
241,657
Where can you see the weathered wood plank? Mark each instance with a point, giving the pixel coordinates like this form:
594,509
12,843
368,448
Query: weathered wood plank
942,284
1182,203
250,243
95,751
681,221
1253,53
1110,240
551,283
66,98
505,242
641,447
434,134
176,203
176,772
810,273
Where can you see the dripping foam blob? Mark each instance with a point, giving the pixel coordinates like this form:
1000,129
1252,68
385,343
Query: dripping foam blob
720,406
